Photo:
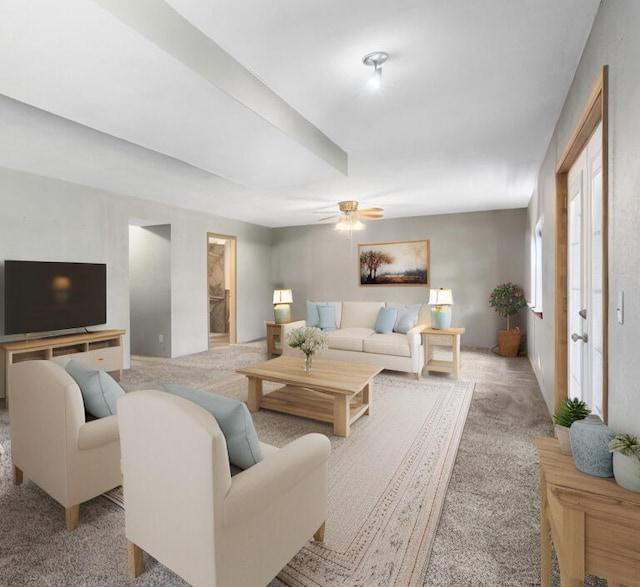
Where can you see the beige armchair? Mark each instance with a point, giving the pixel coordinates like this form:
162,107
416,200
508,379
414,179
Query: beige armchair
184,508
52,444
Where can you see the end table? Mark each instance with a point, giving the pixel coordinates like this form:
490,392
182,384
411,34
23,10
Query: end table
432,337
276,334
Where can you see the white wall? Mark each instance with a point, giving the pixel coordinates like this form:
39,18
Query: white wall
614,42
150,290
471,253
48,219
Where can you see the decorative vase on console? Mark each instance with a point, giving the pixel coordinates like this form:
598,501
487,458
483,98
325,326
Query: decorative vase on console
590,446
626,461
309,340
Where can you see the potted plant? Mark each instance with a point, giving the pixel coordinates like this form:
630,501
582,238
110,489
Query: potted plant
507,299
309,340
626,461
567,413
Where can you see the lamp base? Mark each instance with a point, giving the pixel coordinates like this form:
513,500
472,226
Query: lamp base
441,317
282,313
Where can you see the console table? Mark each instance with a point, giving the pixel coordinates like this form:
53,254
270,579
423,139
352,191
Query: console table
101,349
593,523
432,337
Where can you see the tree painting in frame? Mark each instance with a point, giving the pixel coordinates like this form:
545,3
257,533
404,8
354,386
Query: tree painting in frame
398,263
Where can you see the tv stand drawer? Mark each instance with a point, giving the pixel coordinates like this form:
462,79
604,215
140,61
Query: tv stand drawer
107,359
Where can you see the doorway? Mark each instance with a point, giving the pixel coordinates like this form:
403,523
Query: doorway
221,284
584,279
581,284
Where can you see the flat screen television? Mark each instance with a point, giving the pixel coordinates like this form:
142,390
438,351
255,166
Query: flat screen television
43,296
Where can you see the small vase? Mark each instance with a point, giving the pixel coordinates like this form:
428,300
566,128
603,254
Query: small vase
562,434
307,363
590,446
626,470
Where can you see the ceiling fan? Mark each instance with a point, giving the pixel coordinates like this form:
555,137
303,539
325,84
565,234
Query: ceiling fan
349,215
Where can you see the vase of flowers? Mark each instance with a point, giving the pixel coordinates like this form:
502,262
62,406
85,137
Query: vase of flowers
309,340
507,299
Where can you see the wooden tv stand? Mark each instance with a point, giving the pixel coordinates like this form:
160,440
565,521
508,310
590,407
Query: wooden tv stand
101,349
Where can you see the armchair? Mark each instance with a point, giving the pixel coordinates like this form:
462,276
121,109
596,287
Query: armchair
184,508
51,443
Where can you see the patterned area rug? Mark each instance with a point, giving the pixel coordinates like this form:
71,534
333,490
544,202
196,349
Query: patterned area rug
387,480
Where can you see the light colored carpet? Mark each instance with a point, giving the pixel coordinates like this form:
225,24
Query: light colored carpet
488,535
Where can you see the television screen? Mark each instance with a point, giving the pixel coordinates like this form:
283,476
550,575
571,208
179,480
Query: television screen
41,296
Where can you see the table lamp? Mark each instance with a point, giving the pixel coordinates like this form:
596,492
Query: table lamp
441,300
281,309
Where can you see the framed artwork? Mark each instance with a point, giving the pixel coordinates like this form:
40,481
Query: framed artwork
398,263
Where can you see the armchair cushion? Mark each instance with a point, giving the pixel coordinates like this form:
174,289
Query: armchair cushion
234,420
99,390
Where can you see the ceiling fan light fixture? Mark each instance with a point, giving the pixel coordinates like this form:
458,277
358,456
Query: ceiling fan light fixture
375,60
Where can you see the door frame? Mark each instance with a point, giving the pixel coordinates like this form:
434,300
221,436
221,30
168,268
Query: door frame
594,112
232,284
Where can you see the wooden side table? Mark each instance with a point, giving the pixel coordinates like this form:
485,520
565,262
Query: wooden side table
432,337
276,334
593,523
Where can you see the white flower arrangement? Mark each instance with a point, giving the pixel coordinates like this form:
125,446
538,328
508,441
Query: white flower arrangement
308,339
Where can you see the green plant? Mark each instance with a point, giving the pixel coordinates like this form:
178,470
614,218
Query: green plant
507,299
569,411
625,444
308,339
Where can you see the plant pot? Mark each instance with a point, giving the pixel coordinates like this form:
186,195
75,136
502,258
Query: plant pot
562,434
509,342
626,470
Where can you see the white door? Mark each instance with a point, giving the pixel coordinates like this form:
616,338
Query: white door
584,276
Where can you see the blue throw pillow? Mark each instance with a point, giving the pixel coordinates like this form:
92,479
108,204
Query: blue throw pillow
407,318
100,391
234,420
386,320
313,319
327,314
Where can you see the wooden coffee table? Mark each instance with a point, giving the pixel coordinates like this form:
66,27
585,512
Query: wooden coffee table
333,391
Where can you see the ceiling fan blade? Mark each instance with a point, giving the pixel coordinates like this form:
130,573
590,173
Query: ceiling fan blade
374,209
363,214
332,217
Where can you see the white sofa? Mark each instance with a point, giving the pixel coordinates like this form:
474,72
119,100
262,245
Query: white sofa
355,338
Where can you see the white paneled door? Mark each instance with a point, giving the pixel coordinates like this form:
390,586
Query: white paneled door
585,276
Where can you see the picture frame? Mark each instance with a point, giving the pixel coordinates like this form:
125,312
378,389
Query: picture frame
401,263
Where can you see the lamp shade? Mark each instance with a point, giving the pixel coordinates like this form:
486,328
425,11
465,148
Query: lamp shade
282,296
440,297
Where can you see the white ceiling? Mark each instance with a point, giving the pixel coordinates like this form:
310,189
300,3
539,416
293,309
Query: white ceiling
254,109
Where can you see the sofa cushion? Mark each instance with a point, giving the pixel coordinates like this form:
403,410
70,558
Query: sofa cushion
313,318
327,315
387,344
234,420
100,391
386,320
360,314
407,317
349,339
